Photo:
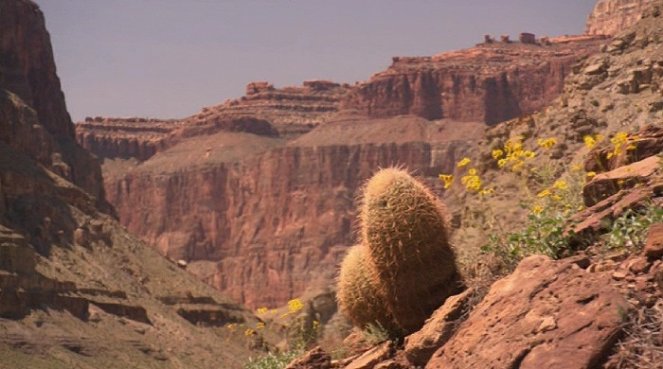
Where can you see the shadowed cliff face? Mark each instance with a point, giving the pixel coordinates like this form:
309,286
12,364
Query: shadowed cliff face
490,83
76,289
32,94
610,17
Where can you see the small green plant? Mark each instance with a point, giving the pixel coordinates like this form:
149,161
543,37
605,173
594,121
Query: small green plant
271,360
544,234
629,231
375,333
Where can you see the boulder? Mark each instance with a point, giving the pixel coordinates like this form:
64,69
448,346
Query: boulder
546,314
437,330
609,183
654,245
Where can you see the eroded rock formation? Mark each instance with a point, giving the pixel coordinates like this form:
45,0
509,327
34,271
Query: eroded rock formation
490,83
264,110
609,17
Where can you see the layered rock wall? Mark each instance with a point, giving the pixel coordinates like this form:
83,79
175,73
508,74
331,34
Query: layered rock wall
490,83
274,222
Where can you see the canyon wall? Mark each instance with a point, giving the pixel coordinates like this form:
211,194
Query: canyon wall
264,227
76,289
29,80
492,82
609,17
258,194
264,110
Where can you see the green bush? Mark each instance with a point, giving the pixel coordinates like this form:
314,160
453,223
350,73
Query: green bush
629,231
273,360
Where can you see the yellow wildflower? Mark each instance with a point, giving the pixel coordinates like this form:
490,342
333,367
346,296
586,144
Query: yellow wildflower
591,174
513,145
556,197
546,143
463,162
561,185
261,311
260,325
249,332
544,193
529,154
447,179
471,181
486,192
590,141
576,167
619,138
537,209
497,154
501,163
295,305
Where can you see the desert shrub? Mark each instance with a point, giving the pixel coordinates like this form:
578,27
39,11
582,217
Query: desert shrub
642,345
374,333
272,360
629,231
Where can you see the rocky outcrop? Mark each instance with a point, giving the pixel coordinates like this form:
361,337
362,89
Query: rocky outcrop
292,110
138,138
264,110
545,315
490,83
609,17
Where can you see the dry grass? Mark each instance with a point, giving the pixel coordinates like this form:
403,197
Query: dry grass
642,344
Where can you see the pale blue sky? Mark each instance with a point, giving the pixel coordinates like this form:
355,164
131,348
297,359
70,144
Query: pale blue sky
169,58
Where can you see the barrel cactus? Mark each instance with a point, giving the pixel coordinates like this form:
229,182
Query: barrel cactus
358,295
405,230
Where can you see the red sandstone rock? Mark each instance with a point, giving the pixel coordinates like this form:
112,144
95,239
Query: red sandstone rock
316,358
372,357
437,330
610,17
654,245
547,314
607,184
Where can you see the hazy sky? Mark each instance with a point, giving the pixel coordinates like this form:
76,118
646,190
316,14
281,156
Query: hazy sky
169,58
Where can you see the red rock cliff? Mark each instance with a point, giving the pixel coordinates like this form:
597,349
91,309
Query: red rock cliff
609,17
264,110
29,81
261,219
490,83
